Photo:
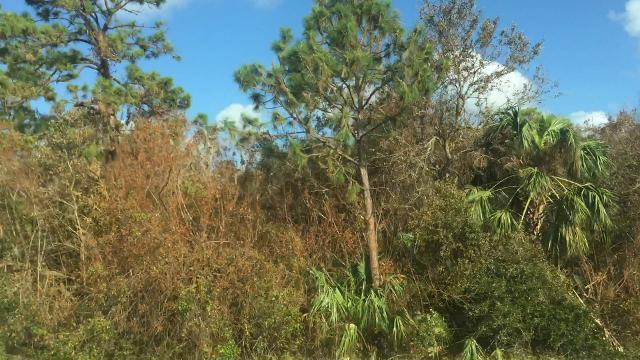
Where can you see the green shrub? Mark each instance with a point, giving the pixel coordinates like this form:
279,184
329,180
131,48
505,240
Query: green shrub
431,335
515,299
271,323
499,290
28,331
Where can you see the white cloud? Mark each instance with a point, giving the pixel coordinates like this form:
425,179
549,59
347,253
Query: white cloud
147,12
506,89
266,4
235,112
512,88
630,17
594,118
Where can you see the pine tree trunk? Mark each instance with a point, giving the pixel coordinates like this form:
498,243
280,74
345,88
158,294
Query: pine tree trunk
372,234
107,111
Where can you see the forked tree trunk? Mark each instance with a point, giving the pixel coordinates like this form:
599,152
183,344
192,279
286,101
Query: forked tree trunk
372,234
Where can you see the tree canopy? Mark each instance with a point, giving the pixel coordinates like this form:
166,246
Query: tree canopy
545,175
68,37
353,72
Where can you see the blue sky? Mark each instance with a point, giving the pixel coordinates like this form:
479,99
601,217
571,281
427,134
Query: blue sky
591,47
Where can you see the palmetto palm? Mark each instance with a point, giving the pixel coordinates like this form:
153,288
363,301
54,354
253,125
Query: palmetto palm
542,176
346,309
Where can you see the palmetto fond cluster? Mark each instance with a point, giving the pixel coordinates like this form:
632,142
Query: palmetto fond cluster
543,176
352,314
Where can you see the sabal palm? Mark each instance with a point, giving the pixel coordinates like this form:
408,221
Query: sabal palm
542,176
352,313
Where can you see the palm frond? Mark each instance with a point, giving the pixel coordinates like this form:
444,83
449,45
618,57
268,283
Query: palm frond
574,238
348,341
497,354
348,310
550,177
480,201
530,136
556,130
503,221
598,200
506,119
536,183
591,160
398,330
472,350
571,216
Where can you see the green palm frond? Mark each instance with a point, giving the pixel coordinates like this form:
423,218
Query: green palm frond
503,221
348,341
574,238
394,286
536,183
591,160
480,202
580,213
520,126
571,214
597,200
229,126
556,130
497,354
398,331
550,180
507,119
537,186
472,351
348,311
502,122
530,136
330,301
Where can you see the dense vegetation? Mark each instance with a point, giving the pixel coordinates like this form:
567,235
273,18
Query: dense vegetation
386,210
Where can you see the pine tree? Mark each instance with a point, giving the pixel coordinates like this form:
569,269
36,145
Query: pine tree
31,60
71,36
353,73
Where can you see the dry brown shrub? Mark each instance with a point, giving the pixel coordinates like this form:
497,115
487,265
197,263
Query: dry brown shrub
151,247
315,210
169,230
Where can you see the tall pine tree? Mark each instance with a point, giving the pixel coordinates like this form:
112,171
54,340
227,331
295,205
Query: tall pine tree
353,72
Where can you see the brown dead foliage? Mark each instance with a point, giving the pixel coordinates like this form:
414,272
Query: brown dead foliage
165,250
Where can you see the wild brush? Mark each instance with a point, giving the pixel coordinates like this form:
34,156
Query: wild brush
355,315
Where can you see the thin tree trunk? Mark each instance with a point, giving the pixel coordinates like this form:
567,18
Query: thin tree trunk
372,234
107,111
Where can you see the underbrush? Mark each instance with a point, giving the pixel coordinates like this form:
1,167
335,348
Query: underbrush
499,291
153,256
